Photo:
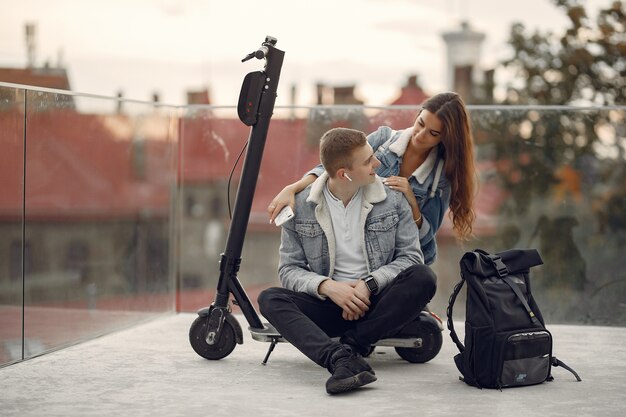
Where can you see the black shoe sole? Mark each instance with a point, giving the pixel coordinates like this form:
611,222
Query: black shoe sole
348,384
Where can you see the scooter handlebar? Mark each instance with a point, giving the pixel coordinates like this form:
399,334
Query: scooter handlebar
269,83
258,54
262,51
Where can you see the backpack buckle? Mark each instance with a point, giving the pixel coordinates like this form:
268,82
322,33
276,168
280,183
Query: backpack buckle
501,268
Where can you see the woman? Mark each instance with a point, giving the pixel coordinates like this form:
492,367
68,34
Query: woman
431,163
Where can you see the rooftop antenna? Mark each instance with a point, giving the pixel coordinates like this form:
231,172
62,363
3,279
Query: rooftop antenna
30,44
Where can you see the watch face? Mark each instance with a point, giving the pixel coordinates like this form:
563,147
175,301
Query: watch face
371,284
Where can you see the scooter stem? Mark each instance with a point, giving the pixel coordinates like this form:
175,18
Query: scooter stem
231,258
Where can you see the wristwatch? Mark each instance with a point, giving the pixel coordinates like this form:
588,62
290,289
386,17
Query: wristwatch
371,283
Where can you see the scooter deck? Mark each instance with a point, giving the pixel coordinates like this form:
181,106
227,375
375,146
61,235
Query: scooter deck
267,334
271,335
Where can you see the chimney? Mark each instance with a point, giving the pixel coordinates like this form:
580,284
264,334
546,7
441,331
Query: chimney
463,82
292,100
320,93
489,86
198,97
345,95
120,102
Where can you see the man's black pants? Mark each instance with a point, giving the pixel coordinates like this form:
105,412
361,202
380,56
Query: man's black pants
309,323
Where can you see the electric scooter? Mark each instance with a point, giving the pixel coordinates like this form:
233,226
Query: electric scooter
215,332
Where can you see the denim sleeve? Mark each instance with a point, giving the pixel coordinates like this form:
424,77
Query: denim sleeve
407,250
317,171
293,269
378,137
433,211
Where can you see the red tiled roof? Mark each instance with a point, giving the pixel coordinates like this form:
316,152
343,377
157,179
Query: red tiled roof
210,148
82,172
82,166
411,93
40,77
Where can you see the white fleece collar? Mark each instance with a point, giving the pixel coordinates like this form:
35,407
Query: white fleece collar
399,147
423,171
372,193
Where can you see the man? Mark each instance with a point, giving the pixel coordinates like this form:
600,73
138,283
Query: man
350,264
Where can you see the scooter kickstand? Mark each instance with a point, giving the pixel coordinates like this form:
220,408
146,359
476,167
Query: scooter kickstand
270,350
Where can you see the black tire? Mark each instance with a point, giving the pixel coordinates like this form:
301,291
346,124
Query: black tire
220,349
432,340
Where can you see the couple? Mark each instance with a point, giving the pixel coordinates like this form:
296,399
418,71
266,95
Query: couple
351,264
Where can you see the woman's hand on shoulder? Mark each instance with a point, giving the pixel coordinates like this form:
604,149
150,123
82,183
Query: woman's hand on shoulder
287,197
401,184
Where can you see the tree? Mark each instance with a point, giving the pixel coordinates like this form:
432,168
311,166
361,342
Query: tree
565,167
540,150
584,65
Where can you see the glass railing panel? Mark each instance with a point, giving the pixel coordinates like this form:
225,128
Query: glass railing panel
11,223
210,141
212,138
550,178
100,198
554,179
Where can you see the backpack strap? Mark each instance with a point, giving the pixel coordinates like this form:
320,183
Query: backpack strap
520,296
453,335
556,362
501,268
503,273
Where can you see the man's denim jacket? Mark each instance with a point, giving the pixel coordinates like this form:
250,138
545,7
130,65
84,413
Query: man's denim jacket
307,250
429,184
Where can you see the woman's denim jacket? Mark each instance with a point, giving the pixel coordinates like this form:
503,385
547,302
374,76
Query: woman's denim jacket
307,249
432,190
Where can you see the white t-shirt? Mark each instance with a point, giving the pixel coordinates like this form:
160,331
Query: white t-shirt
350,262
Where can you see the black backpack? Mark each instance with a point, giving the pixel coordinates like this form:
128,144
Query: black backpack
506,342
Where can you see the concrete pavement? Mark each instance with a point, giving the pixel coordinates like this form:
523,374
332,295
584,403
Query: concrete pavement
151,370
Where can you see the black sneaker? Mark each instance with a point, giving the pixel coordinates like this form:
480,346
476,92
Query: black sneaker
349,370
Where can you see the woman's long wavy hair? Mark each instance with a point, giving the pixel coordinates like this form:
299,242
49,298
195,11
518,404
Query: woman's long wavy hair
458,153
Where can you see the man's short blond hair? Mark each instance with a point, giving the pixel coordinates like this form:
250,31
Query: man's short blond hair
336,148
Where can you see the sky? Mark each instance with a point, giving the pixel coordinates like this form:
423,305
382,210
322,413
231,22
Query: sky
141,47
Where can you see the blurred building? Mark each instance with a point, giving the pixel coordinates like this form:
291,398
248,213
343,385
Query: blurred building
99,187
411,93
198,97
336,95
47,76
464,74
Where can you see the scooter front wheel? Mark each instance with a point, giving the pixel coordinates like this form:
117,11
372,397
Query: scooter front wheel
221,348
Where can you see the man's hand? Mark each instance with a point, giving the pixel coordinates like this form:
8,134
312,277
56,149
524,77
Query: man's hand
352,297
